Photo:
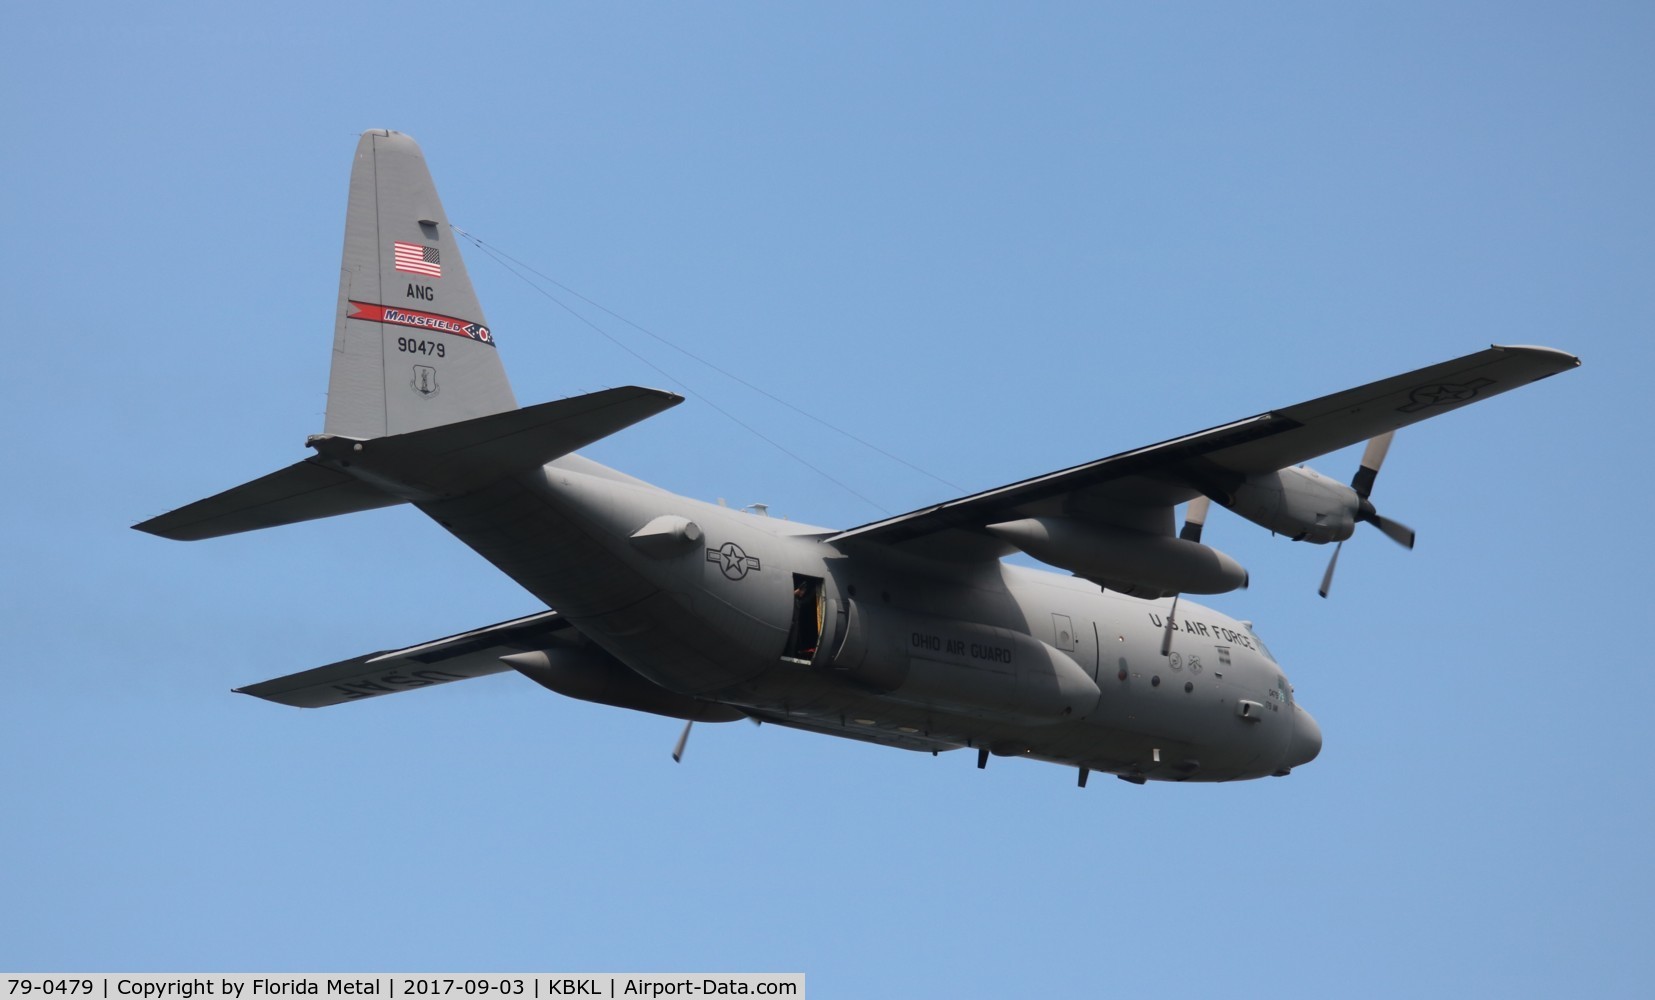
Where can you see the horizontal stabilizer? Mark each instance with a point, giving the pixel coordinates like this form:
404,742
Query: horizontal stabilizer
459,657
349,475
456,458
303,491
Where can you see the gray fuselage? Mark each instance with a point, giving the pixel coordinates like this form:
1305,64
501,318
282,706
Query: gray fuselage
874,644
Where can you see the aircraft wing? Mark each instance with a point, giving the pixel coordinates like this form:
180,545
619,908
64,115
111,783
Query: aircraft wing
455,658
1138,489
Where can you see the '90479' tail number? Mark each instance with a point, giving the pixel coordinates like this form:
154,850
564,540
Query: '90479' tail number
414,345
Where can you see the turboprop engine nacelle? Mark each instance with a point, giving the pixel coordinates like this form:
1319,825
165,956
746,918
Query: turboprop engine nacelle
1300,503
1132,562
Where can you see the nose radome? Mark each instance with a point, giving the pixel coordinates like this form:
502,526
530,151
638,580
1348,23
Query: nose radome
1307,739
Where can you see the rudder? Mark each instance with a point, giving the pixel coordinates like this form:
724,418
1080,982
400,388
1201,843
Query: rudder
411,348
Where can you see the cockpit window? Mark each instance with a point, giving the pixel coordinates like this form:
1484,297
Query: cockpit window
1261,646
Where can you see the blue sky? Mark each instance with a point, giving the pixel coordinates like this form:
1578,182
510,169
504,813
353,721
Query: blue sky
993,241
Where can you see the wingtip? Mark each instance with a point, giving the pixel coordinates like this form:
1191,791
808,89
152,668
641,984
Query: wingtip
1564,358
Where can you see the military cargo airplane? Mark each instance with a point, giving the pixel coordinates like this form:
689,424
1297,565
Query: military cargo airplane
910,632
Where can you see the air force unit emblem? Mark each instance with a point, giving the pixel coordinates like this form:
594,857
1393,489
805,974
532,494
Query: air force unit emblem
424,381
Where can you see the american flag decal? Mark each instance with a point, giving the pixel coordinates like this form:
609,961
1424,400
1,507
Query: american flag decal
417,259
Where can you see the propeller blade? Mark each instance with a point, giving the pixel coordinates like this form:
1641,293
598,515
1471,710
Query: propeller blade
1396,531
1166,637
1195,518
683,738
1327,578
1372,459
1377,449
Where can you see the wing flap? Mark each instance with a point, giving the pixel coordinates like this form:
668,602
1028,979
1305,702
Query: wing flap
441,661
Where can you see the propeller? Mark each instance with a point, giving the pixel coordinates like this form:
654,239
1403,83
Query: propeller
1195,518
1327,577
683,738
1372,458
1166,637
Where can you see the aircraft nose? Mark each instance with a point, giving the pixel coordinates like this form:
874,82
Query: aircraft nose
1307,739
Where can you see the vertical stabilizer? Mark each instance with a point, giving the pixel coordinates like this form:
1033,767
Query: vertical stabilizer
411,348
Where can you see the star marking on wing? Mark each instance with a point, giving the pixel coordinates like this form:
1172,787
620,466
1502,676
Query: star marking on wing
1443,394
